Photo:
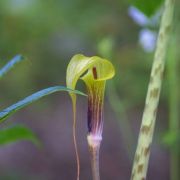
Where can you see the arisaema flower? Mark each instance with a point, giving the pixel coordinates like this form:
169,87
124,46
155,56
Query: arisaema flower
94,71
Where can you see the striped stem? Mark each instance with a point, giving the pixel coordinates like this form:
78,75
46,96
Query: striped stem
142,154
95,121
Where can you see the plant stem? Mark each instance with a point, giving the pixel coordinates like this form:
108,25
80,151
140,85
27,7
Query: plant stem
173,107
94,146
142,154
118,107
74,139
94,153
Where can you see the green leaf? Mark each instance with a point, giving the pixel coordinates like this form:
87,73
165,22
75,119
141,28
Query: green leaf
17,133
148,7
11,64
32,98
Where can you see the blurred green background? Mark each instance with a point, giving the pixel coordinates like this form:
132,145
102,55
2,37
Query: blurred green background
48,33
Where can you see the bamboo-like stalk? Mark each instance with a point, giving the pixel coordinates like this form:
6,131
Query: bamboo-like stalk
142,154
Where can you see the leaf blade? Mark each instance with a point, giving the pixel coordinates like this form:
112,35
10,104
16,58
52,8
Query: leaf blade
148,7
32,98
15,60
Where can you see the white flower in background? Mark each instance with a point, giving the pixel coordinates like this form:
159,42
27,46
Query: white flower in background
138,16
147,39
141,19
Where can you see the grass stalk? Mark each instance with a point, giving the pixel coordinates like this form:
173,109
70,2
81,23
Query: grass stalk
118,107
173,107
141,159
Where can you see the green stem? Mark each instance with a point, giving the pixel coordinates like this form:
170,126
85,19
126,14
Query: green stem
141,160
173,107
74,138
120,110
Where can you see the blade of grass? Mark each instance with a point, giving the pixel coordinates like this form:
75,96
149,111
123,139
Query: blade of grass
142,154
15,60
32,98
